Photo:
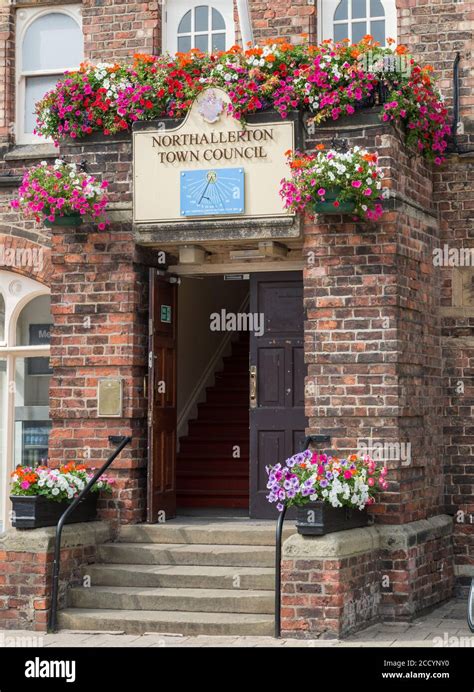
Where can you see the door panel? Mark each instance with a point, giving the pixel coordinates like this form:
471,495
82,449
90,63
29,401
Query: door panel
277,421
161,481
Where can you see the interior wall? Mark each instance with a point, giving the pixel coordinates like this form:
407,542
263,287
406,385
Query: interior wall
197,300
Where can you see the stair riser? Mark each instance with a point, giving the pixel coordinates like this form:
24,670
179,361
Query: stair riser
156,533
116,577
85,598
75,621
136,555
213,449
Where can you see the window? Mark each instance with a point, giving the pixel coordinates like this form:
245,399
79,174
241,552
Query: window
353,19
206,27
49,42
24,363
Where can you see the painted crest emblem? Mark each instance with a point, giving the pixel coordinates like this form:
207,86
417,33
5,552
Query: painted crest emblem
211,106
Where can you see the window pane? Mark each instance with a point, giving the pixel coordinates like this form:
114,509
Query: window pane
341,11
202,42
32,424
35,89
184,44
376,9
2,318
217,20
218,42
377,29
3,435
340,32
359,30
184,26
201,16
51,41
358,9
34,323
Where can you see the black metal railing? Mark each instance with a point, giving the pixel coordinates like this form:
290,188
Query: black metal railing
310,439
53,613
470,607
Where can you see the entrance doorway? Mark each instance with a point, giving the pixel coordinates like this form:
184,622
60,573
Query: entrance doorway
233,352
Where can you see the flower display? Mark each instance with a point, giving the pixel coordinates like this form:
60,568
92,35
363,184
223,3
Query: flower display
309,476
327,81
344,176
61,189
58,485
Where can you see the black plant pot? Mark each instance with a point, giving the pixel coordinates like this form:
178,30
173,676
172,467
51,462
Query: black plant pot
35,511
319,518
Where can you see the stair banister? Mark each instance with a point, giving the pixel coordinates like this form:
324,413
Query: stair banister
53,613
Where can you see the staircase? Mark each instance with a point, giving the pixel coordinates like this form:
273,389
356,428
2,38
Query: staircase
208,472
188,576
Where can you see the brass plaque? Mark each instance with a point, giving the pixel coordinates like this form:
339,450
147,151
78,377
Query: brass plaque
109,397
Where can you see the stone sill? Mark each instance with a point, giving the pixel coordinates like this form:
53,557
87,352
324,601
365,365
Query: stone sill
28,152
42,540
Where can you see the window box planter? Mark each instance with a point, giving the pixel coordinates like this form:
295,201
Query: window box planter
327,207
36,511
320,518
72,221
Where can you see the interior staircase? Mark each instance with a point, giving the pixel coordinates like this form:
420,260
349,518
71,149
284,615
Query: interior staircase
209,474
188,576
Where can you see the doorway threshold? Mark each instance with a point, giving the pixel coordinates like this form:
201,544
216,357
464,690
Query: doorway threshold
212,512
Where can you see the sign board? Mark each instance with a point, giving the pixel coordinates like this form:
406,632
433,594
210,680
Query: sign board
238,167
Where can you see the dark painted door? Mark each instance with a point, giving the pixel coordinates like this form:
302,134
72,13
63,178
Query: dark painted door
277,372
161,490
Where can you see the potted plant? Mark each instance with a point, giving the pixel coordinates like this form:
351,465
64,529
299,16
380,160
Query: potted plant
40,495
330,493
334,182
61,194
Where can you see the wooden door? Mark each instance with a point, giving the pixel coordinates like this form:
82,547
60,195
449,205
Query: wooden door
277,372
162,392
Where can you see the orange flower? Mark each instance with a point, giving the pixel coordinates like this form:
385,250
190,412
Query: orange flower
370,157
390,41
320,147
355,53
401,50
288,152
270,58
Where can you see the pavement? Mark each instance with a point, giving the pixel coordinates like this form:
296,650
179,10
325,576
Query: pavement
444,627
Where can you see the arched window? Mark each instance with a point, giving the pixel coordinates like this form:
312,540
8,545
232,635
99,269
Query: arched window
49,42
195,25
354,19
24,378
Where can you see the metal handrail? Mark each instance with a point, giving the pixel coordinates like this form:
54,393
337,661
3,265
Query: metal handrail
470,607
53,614
310,439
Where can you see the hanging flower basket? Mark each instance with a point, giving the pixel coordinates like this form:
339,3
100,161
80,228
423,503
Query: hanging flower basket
70,221
61,194
332,204
334,182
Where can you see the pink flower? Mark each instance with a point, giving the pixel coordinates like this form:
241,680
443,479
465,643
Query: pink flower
371,482
367,192
25,485
356,183
321,191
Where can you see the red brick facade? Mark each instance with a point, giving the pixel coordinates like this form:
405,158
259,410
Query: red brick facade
386,343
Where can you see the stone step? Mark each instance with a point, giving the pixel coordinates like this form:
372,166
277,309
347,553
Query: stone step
183,554
205,532
179,622
181,576
175,599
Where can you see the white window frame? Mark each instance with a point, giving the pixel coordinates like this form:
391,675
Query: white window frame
24,19
17,292
327,8
174,11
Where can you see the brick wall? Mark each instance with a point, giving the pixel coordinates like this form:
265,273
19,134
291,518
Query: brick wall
26,567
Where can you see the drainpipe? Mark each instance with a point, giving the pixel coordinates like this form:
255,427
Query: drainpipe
245,22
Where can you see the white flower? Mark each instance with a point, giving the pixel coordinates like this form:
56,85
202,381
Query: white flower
55,491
